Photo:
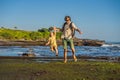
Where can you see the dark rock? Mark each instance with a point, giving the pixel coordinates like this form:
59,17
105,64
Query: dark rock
77,42
28,55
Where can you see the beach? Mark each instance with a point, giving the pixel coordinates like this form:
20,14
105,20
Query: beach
37,37
28,69
94,63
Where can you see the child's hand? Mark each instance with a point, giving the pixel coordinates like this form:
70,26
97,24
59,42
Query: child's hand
46,44
54,28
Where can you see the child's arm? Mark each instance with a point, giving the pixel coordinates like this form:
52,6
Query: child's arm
47,43
54,31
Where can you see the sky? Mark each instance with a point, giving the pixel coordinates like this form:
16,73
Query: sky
97,19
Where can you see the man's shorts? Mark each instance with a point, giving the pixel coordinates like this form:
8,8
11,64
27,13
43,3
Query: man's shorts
68,42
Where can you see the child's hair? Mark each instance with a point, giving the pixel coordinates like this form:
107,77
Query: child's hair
51,28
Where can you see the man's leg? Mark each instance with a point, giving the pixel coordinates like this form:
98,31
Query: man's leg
65,50
73,50
65,55
73,53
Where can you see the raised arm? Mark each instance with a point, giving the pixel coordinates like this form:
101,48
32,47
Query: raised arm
54,28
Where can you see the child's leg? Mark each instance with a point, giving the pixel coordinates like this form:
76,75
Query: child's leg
56,50
52,48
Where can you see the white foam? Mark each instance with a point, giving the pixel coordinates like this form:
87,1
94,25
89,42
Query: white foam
111,45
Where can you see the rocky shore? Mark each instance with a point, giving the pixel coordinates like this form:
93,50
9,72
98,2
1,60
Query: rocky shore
77,42
80,57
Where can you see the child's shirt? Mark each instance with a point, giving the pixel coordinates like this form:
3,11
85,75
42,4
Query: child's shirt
52,40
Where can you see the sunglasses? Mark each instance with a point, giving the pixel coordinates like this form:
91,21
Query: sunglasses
66,20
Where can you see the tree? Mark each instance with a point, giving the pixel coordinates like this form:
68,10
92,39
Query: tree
43,30
35,35
15,27
58,35
2,27
6,35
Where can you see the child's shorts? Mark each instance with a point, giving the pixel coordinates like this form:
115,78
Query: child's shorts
53,47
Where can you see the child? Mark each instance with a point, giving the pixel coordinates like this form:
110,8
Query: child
52,41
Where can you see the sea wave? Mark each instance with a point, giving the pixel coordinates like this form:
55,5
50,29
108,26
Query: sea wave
111,45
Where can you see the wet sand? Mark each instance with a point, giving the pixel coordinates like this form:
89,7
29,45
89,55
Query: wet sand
49,59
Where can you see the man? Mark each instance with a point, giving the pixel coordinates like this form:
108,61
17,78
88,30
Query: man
67,36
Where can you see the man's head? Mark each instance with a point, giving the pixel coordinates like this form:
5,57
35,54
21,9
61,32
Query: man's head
67,18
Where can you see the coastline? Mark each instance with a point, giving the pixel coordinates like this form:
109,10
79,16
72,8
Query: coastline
50,59
77,42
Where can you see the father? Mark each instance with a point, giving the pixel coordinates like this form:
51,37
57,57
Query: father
68,31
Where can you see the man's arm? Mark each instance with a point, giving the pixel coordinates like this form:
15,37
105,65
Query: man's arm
76,28
79,31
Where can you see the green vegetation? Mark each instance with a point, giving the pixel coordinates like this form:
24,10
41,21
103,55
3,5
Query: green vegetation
14,34
18,69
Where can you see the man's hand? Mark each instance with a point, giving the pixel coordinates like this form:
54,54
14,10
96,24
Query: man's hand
81,32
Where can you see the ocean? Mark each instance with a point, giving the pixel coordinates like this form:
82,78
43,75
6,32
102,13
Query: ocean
111,49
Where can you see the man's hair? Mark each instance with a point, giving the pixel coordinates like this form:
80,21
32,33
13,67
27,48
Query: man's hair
67,17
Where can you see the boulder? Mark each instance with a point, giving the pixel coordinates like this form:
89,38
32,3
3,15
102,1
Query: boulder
28,55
